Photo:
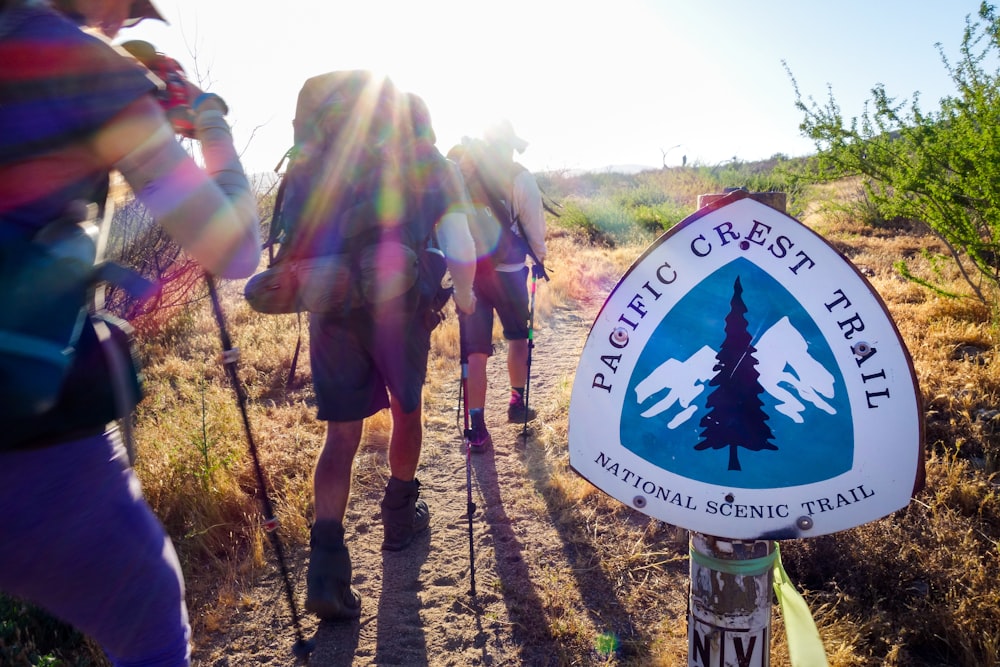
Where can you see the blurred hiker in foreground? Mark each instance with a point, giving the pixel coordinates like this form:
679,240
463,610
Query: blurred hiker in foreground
386,208
509,227
78,538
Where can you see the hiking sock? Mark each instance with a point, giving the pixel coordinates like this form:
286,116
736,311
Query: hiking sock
329,593
327,534
517,410
479,437
403,514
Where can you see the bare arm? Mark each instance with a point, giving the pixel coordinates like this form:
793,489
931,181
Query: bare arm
460,251
528,204
210,213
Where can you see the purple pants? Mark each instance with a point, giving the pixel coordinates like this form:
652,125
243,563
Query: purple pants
78,539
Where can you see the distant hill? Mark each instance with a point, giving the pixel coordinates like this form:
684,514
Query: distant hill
611,169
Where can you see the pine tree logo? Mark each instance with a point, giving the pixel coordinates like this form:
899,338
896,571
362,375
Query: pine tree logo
736,416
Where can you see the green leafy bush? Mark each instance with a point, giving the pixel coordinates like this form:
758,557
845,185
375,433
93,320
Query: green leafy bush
941,168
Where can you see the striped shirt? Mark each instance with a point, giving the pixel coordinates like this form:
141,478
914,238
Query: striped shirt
58,86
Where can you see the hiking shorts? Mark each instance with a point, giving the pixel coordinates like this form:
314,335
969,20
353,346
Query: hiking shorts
357,361
505,292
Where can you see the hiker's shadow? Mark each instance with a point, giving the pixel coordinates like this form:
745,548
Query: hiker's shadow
602,598
400,629
400,635
538,645
336,642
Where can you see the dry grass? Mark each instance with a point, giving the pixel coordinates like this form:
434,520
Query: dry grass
918,588
915,589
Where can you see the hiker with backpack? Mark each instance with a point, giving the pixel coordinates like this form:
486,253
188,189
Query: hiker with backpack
78,539
371,204
509,227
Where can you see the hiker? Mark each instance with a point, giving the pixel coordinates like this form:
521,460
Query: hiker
78,539
375,357
508,196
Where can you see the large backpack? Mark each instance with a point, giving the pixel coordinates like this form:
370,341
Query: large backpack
44,282
496,226
336,241
57,343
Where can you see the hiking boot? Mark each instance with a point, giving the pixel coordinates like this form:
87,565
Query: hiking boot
329,593
517,411
479,438
403,514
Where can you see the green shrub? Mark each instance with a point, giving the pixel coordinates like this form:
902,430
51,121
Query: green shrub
602,221
939,167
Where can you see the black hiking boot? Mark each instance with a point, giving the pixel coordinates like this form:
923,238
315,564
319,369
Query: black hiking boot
329,593
517,411
403,514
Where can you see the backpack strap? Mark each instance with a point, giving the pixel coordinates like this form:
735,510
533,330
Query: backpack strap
113,347
502,206
122,374
518,169
104,219
276,228
295,355
527,243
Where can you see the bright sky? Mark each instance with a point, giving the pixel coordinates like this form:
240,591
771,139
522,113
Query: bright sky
588,83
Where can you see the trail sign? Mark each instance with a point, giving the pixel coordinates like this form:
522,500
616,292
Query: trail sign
743,379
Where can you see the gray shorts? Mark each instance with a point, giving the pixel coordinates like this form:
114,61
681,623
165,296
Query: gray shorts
357,361
505,292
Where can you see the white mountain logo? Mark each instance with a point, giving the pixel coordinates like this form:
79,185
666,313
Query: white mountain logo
787,372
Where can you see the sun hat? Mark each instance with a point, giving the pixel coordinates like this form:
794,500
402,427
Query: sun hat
502,132
139,10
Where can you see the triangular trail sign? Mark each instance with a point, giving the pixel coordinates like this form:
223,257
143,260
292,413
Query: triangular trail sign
744,380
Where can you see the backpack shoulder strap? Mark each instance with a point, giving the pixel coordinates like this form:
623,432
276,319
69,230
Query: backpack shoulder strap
511,216
275,228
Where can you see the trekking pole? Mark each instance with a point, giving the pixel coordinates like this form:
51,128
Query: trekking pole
531,346
537,270
230,355
463,395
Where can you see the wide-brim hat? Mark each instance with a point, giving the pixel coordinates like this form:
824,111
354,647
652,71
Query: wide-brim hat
142,9
502,132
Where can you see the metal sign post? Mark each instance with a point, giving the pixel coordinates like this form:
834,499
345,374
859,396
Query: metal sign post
729,607
744,381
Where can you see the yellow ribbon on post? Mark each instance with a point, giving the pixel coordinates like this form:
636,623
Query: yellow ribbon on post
805,648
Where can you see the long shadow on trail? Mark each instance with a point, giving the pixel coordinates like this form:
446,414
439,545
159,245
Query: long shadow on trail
336,643
533,637
401,639
619,630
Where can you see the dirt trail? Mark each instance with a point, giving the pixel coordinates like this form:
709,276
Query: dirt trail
417,607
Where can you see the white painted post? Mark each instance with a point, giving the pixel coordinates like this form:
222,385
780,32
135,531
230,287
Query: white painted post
729,613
